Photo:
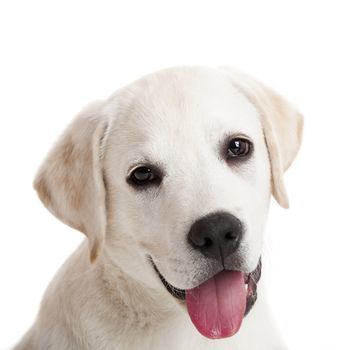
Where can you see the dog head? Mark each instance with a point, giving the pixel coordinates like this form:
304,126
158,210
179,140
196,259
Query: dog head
171,178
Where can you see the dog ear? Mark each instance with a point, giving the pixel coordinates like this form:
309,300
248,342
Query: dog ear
70,181
282,126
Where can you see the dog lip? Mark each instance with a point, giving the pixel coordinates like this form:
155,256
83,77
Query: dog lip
251,280
175,292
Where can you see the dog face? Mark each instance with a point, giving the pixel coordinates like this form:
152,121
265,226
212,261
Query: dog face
181,126
171,177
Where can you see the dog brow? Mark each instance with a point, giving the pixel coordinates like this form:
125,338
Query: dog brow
144,160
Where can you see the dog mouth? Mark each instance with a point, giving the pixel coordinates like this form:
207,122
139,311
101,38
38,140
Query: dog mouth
217,306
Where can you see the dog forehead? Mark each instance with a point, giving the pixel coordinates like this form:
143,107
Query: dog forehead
198,95
183,106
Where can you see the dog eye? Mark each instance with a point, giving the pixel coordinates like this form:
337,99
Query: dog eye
143,175
239,147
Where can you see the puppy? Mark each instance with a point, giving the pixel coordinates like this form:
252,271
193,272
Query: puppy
170,180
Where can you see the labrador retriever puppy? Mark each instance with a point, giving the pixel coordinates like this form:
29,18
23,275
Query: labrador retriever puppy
170,180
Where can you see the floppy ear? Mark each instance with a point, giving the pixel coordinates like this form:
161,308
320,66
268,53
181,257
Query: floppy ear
70,180
282,126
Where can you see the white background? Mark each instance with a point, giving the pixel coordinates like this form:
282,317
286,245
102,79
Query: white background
57,56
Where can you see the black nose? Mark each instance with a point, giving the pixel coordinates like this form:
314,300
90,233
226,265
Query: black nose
216,235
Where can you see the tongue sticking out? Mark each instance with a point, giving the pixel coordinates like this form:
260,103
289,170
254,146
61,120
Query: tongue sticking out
217,306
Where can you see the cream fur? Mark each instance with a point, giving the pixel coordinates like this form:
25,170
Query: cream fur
107,295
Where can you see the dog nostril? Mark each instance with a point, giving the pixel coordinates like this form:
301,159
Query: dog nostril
204,242
207,242
201,240
230,236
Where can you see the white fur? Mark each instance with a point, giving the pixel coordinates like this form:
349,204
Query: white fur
177,119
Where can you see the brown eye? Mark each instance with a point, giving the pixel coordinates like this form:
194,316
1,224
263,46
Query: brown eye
142,176
239,148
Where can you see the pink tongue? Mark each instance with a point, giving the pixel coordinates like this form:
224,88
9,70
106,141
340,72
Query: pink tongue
217,306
